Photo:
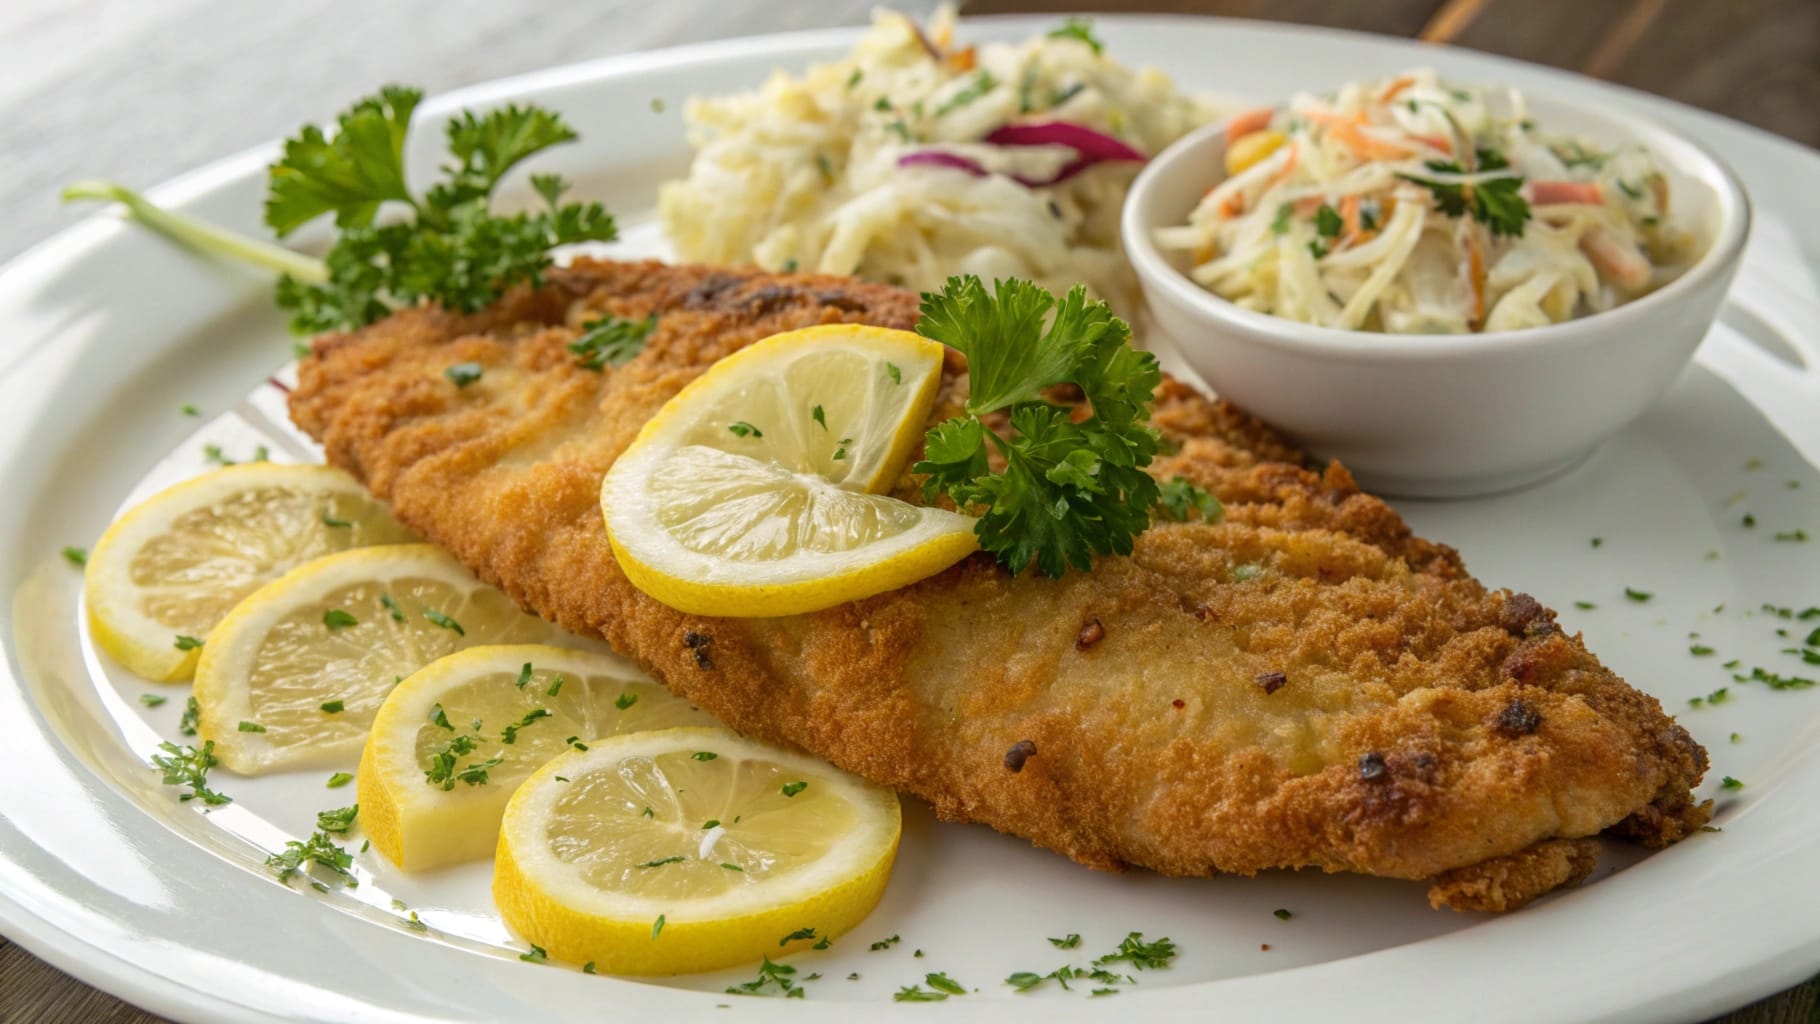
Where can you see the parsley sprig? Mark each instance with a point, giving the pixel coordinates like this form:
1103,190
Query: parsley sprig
1495,202
452,249
1069,490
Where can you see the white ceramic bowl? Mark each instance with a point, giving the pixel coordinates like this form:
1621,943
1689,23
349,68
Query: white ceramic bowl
1448,415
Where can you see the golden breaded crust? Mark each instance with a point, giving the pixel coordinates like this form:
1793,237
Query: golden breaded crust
1303,684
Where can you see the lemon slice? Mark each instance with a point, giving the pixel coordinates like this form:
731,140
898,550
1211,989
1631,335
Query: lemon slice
433,786
754,490
295,674
688,850
174,565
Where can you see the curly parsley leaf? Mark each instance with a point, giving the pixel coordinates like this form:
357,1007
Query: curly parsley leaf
1497,203
611,341
1069,490
454,250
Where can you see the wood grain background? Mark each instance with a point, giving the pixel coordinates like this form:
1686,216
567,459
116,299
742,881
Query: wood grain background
91,85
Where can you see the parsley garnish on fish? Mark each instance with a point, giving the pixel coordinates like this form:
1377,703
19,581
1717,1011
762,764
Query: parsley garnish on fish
452,249
1069,490
1494,202
611,341
463,374
1179,499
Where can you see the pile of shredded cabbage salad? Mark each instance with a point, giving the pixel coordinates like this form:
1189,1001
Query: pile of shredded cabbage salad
915,159
1414,206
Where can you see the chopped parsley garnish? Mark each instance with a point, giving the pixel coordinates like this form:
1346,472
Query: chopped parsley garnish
1281,914
854,78
1279,225
704,755
982,83
800,933
1638,596
657,928
463,374
1497,203
710,823
318,849
1180,499
335,524
819,416
192,716
1069,490
555,686
392,606
524,675
793,788
1069,941
1730,783
186,643
1585,606
588,968
189,409
1327,222
678,859
537,955
885,943
510,733
333,707
1598,542
1142,955
1700,650
917,994
438,716
444,621
246,726
611,341
1736,737
575,741
941,982
339,820
732,867
1792,535
740,428
774,979
189,766
152,700
340,779
625,700
442,771
1246,571
76,556
1775,681
1749,521
896,375
336,618
1081,29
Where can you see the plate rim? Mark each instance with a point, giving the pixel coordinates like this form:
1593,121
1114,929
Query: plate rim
107,967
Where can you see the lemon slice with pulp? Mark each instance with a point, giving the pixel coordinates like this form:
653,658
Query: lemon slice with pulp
689,850
173,566
755,490
295,674
434,784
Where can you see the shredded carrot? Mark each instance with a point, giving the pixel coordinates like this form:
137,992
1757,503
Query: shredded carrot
1305,206
1346,129
1547,193
1283,172
1475,277
1247,121
1233,205
1349,219
1395,86
1440,142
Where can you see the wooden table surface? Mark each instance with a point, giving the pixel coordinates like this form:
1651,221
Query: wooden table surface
91,86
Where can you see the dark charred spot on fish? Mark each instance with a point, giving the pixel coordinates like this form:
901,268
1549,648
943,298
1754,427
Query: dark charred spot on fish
1092,633
1522,615
1372,767
698,642
1270,681
705,294
1178,703
1021,751
1206,614
1517,719
769,299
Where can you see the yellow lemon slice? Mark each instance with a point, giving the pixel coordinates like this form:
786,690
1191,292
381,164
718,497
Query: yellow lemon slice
754,491
455,739
295,674
173,566
689,850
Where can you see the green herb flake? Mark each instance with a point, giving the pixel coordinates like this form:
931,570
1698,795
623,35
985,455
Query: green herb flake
1080,29
339,820
391,606
710,823
555,687
524,675
186,643
917,994
1639,596
1598,542
336,618
1585,606
76,556
189,410
1730,783
732,867
625,700
774,979
1181,499
884,944
189,766
1700,651
942,983
320,850
818,416
192,716
1279,225
1496,202
444,621
657,927
793,788
333,707
1069,941
510,734
535,956
611,341
1796,536
340,779
246,726
854,78
741,428
896,375
662,861
463,374
1281,914
152,700
1736,738
800,933
1327,222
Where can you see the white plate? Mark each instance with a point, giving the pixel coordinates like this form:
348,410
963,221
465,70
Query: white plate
105,331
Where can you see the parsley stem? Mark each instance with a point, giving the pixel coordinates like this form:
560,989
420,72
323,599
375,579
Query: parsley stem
201,235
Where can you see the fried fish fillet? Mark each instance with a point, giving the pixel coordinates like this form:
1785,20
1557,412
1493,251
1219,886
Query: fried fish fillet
1302,684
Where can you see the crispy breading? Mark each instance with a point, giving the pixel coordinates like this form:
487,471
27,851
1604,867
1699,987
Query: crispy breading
1303,684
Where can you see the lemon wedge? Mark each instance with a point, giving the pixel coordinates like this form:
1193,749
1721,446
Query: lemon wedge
754,491
296,673
688,850
433,786
167,571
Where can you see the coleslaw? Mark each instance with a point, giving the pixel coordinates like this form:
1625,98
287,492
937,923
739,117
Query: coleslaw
914,159
1411,206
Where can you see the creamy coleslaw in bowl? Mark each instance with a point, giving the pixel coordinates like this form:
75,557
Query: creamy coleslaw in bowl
1411,205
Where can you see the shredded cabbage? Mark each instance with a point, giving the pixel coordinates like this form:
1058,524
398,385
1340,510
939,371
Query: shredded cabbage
896,165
